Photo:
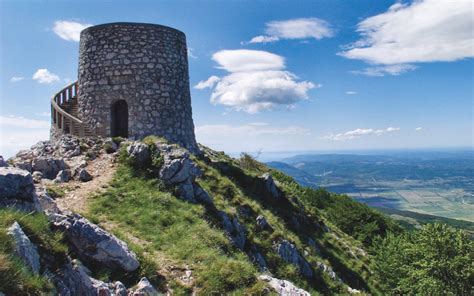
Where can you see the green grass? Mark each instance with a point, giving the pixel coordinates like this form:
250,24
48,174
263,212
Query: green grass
15,277
172,229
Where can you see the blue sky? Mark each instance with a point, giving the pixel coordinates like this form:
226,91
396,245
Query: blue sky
286,75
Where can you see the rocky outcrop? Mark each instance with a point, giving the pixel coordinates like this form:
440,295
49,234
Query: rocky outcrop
270,187
144,288
24,248
283,287
92,243
234,229
17,189
289,253
139,153
16,183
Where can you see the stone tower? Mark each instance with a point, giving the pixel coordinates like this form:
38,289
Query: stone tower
133,81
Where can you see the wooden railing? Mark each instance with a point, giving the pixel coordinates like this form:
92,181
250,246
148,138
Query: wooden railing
63,121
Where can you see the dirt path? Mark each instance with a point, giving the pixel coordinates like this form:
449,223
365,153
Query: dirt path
77,193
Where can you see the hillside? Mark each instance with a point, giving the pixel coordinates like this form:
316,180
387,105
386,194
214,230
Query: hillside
115,217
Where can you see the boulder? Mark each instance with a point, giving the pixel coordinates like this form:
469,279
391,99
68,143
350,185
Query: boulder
144,288
49,166
16,183
92,243
139,153
24,248
289,253
63,176
186,191
270,187
283,287
234,229
83,175
3,163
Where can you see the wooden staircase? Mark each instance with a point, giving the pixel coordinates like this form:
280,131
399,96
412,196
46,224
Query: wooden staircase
65,113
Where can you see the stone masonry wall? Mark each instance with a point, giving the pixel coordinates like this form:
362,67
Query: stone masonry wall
147,66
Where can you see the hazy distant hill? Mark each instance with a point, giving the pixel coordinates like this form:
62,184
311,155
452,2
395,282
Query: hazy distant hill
431,182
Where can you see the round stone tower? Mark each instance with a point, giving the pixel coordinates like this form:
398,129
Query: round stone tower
134,82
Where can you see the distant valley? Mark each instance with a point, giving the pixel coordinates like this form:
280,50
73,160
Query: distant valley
439,183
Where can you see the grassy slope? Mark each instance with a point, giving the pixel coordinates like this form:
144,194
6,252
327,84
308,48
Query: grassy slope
166,231
15,277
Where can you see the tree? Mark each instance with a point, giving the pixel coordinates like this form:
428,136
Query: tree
436,260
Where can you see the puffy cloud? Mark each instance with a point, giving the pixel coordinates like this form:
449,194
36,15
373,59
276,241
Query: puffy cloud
360,132
300,28
209,83
16,79
260,90
45,76
68,30
418,129
244,60
351,92
257,81
393,70
423,31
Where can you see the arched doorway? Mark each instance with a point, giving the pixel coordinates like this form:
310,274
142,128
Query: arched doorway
119,119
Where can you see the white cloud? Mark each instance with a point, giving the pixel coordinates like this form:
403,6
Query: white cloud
263,39
68,30
209,83
259,90
300,28
45,76
360,132
257,81
423,31
351,92
244,60
21,122
16,79
418,129
18,133
393,70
